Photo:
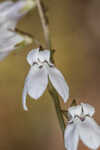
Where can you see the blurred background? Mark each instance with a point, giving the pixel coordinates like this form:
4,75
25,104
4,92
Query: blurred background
75,33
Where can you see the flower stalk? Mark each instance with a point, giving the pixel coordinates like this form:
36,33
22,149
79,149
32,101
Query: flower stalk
51,90
56,101
44,22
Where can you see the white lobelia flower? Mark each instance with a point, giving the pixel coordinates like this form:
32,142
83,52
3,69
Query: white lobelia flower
82,126
10,41
37,78
10,13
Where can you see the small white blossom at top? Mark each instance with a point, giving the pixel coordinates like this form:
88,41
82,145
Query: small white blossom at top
82,126
10,41
10,13
42,70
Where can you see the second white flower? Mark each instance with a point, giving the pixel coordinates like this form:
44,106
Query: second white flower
37,79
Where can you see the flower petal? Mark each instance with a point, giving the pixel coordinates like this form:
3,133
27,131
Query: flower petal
93,123
44,55
29,4
25,91
9,40
71,137
88,109
37,83
16,10
3,55
59,82
5,5
89,133
11,12
75,110
32,56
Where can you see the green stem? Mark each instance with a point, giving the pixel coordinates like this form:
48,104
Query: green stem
56,101
51,90
44,22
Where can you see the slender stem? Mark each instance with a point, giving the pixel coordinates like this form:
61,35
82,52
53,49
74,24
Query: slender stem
56,101
44,23
51,90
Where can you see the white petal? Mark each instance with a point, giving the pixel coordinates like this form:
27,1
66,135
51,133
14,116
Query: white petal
19,9
32,56
3,55
9,40
75,110
44,55
88,109
89,133
11,12
59,83
24,95
71,137
5,5
93,123
16,9
29,4
37,82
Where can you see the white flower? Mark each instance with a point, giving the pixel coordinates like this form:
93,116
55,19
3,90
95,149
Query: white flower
82,126
10,41
10,13
37,79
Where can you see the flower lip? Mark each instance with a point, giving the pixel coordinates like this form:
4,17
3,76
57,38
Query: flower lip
40,57
80,112
82,118
41,62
